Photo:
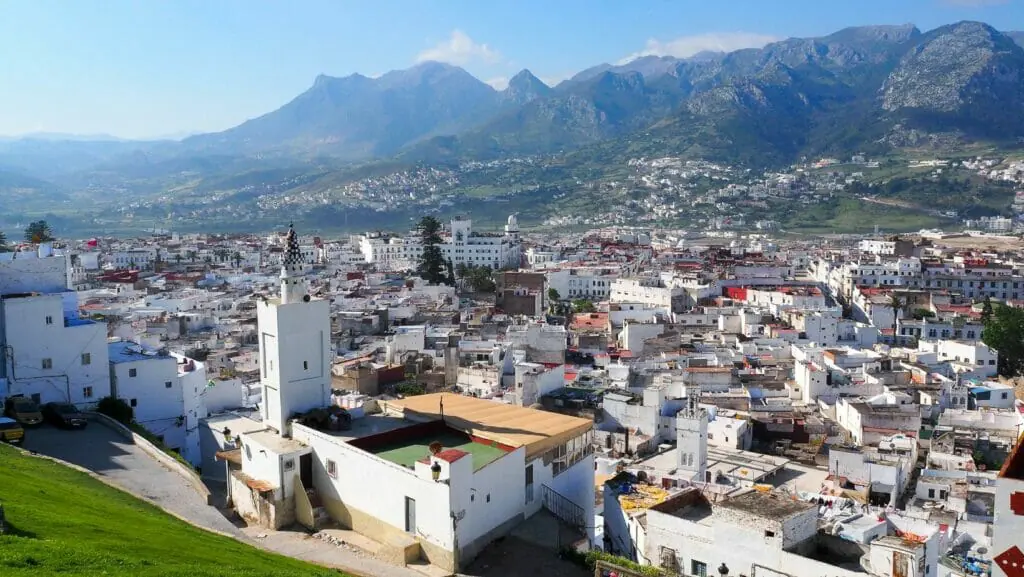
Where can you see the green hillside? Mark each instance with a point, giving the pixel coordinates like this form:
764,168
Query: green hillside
63,522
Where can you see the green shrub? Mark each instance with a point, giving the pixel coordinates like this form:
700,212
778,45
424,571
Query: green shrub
116,409
589,560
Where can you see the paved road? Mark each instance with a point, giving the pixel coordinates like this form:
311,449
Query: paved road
108,454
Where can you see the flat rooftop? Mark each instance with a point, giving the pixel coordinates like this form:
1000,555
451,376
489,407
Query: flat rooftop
766,505
735,463
406,453
126,352
508,425
407,444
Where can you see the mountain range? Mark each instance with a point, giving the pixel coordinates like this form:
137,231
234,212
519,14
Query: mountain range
866,89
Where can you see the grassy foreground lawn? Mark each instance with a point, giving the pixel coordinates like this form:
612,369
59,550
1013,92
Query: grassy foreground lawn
62,522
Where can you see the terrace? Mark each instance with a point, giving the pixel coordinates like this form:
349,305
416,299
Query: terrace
406,445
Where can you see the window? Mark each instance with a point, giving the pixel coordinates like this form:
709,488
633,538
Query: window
332,469
86,358
698,568
134,403
1004,395
305,365
289,464
133,372
168,384
931,493
49,320
769,533
47,364
87,392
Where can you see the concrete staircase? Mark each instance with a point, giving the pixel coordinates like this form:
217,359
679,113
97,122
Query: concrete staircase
547,531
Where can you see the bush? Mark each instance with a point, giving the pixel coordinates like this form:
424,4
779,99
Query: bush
116,409
590,559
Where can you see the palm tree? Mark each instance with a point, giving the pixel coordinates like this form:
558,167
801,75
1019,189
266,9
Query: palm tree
897,305
237,259
192,255
208,259
178,258
222,254
3,243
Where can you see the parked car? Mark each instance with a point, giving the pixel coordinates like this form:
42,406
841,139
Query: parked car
11,431
24,410
64,415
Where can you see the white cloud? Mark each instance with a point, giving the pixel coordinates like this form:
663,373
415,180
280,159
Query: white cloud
499,83
689,45
459,49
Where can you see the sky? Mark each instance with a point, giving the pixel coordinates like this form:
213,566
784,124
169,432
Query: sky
155,68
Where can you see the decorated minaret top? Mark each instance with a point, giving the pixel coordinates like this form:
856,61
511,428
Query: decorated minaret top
293,286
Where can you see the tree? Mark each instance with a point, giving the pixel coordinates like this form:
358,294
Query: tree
237,259
554,301
460,270
1004,331
38,232
432,263
481,278
986,309
897,305
192,255
178,258
222,254
116,409
583,306
3,243
450,280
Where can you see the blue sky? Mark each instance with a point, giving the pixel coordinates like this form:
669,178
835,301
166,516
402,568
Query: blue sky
142,68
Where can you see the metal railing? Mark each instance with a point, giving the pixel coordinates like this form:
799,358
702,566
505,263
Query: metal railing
560,506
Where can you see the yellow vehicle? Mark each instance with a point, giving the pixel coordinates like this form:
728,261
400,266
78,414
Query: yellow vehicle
11,431
24,410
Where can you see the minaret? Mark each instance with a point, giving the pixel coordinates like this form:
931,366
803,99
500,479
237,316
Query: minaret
692,437
295,346
293,286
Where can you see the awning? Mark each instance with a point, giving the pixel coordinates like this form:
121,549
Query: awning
254,484
877,487
231,456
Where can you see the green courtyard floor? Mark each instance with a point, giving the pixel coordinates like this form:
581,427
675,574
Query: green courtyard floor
408,452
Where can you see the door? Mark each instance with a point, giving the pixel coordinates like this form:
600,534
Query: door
529,484
306,470
901,564
410,515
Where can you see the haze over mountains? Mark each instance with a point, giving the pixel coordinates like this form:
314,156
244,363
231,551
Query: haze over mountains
871,89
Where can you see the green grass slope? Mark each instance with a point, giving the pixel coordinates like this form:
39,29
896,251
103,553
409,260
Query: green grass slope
63,522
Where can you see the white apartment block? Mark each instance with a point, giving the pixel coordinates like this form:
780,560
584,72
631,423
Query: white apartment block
165,392
592,283
47,352
460,244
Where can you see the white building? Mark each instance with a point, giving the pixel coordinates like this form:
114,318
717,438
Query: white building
692,439
754,533
591,283
295,346
460,244
47,351
165,392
